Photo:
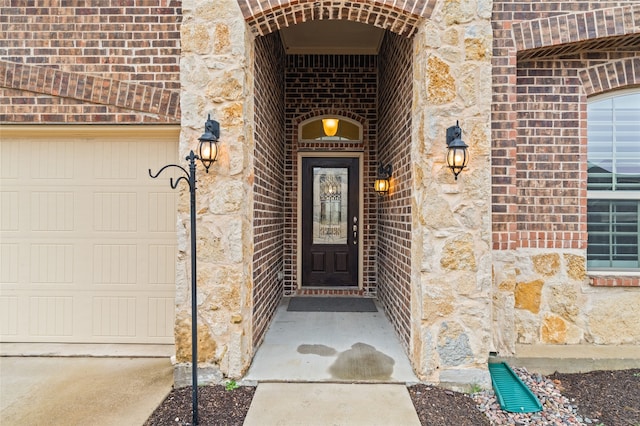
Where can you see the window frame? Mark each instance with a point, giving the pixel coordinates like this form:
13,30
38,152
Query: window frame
614,195
331,139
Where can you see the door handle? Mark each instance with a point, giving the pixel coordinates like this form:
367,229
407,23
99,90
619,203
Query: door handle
355,230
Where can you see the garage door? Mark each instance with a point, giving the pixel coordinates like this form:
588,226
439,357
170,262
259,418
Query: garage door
88,239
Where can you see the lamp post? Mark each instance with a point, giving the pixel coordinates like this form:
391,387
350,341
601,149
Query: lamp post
208,153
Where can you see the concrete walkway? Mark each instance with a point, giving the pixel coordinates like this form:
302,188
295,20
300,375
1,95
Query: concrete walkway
350,347
322,404
81,391
331,368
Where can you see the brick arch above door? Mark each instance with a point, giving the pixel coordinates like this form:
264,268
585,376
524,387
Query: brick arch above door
265,16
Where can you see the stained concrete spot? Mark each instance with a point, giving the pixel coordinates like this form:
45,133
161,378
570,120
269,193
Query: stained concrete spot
362,362
320,350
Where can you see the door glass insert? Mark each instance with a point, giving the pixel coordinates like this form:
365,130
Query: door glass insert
330,200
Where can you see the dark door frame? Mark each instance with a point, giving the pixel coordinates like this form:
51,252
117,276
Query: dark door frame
327,154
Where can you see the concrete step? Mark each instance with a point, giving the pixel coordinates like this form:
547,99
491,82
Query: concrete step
335,404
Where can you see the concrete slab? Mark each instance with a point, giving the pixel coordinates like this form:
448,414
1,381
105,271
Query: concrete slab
330,347
335,404
82,391
547,359
87,350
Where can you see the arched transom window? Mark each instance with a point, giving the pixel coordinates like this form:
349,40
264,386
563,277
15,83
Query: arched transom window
330,128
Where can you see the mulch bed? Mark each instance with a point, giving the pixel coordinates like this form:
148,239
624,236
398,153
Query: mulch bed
612,397
216,406
437,406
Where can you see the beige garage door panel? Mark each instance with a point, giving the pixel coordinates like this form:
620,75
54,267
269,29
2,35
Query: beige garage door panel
88,247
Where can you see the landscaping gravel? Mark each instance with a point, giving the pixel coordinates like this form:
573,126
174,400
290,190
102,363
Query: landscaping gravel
603,398
556,408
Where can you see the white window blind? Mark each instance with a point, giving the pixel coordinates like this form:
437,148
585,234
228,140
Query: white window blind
613,182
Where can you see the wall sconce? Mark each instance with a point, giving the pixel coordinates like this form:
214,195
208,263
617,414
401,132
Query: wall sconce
381,186
457,155
208,146
330,126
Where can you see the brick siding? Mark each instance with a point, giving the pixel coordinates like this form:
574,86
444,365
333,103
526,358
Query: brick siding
540,86
264,17
621,281
112,61
268,188
394,215
340,85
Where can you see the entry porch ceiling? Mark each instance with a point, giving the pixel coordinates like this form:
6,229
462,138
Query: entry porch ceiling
331,37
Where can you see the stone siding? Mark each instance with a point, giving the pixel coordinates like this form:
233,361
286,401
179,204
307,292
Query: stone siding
543,297
217,78
451,234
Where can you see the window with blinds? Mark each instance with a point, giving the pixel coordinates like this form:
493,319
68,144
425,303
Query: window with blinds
613,182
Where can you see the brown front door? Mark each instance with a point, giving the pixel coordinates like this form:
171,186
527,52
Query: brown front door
330,222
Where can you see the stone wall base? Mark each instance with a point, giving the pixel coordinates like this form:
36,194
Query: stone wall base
547,359
464,379
207,375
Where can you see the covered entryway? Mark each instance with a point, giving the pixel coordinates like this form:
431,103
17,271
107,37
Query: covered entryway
88,242
424,244
339,237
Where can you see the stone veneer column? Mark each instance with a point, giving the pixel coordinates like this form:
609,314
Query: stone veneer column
215,78
451,300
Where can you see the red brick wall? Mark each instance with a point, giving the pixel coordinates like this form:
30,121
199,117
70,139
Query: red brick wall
98,61
341,85
268,188
547,60
394,210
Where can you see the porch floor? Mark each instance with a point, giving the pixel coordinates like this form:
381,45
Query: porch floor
353,347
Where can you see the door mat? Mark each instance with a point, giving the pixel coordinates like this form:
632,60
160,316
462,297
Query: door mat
331,304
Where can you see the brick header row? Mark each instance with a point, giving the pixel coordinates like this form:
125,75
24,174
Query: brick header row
92,89
576,27
612,75
614,281
267,16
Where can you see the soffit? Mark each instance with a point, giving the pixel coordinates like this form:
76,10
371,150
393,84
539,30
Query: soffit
331,37
623,43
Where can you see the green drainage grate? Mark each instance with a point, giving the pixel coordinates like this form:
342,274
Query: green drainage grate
513,395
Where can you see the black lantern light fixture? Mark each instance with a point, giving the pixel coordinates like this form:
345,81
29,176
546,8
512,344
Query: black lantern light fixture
381,185
208,146
208,152
457,154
